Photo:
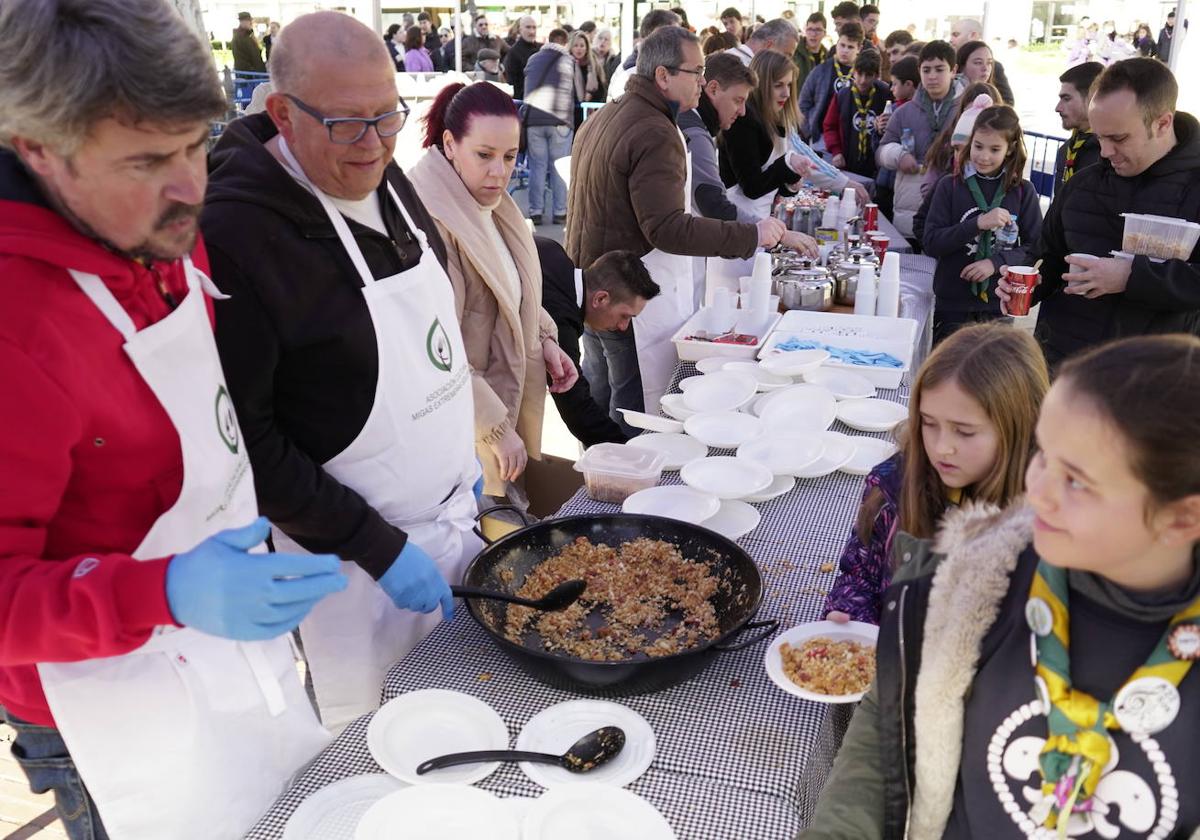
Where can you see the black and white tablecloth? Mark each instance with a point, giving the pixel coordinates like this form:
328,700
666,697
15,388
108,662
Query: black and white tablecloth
737,758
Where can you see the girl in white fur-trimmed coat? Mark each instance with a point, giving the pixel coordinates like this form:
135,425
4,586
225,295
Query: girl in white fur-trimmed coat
1034,664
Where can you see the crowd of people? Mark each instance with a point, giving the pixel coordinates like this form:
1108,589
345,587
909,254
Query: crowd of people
289,336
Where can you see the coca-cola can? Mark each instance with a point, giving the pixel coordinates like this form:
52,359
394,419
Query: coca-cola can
870,217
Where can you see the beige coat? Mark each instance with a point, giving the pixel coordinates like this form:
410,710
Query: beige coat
503,335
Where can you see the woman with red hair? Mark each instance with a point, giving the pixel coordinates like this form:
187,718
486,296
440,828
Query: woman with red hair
471,138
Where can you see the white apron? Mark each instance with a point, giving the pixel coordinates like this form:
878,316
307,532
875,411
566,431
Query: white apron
664,314
190,735
725,272
413,461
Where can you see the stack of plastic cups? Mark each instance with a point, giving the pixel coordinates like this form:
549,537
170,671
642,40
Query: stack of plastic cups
887,302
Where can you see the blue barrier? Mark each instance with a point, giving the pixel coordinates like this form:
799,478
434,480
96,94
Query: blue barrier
244,83
1041,150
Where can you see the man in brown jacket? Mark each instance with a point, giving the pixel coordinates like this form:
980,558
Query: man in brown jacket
629,173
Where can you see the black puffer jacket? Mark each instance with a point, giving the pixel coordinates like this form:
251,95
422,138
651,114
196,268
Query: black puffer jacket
296,339
1086,218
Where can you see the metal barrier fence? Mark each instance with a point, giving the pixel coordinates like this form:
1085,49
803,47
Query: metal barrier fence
1041,150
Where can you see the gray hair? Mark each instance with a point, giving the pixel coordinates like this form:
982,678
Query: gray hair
664,48
65,65
775,30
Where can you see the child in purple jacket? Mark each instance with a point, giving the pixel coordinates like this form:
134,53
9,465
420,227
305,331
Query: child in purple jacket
969,437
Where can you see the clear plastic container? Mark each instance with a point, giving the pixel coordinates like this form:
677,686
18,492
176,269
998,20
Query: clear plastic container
1160,237
612,472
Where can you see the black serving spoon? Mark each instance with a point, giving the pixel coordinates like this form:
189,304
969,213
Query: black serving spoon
588,753
558,598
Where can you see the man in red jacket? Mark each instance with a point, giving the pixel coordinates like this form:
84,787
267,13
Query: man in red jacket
144,661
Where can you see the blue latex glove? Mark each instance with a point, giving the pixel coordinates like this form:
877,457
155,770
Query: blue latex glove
478,489
415,583
221,589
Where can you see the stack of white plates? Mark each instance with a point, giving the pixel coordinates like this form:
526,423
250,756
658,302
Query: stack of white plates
723,429
839,449
794,362
871,415
799,409
726,477
867,453
767,381
844,384
783,454
673,501
679,448
589,810
673,406
720,391
334,811
734,520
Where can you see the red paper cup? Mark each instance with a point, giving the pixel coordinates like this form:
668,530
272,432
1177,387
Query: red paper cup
870,217
879,243
1021,280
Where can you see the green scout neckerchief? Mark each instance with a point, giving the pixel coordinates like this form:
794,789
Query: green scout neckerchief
987,238
1077,749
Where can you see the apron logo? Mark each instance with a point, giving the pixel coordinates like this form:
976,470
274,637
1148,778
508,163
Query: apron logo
85,566
437,346
227,425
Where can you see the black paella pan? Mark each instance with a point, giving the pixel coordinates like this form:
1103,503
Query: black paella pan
504,564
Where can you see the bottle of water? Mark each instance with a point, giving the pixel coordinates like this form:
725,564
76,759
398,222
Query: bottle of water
908,142
1007,236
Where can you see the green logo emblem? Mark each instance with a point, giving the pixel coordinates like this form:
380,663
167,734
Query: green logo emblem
227,426
437,346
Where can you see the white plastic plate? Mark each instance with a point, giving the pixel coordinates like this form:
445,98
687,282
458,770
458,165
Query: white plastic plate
722,429
674,406
553,730
734,520
650,422
843,384
794,362
595,812
782,484
867,453
767,381
439,811
679,448
420,725
783,454
871,415
853,631
720,391
673,501
727,477
839,450
334,811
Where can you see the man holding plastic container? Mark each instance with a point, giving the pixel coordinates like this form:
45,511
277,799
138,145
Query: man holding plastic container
1090,290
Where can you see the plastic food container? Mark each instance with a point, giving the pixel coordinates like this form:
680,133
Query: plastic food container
1160,237
612,472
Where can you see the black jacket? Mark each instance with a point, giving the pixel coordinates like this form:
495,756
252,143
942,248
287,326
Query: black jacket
1000,82
745,148
588,422
514,65
951,236
1085,218
296,339
1088,154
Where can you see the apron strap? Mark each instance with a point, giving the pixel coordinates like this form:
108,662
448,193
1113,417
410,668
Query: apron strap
99,294
339,222
92,286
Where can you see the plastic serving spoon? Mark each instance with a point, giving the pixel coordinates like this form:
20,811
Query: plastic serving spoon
588,753
558,598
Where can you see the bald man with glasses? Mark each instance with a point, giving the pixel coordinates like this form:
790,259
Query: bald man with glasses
347,367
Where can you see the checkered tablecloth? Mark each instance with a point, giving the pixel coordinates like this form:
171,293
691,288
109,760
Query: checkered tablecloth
737,758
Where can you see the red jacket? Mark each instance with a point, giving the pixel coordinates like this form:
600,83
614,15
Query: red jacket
88,458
